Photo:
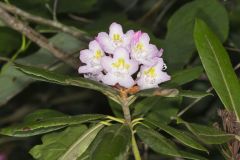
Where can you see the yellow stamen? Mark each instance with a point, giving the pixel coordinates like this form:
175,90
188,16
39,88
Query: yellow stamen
150,72
121,64
98,54
139,46
117,37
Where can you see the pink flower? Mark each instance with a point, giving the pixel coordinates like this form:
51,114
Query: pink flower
142,51
150,77
92,57
119,68
115,38
114,58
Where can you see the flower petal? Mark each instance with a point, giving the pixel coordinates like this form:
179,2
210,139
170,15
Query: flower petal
121,52
128,38
86,55
109,79
153,50
126,81
105,42
106,63
144,38
90,69
136,37
134,67
94,46
115,29
163,77
83,69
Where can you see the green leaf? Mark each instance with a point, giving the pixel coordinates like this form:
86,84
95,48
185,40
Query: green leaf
46,124
193,94
179,44
179,135
184,76
116,108
66,145
112,143
162,145
42,114
13,81
144,106
206,134
53,77
158,108
10,41
218,66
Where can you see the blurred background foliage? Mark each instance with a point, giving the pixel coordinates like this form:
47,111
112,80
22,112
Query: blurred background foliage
170,24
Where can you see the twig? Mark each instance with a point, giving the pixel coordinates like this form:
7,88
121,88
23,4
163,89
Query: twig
151,11
198,99
55,4
34,36
233,49
70,30
80,19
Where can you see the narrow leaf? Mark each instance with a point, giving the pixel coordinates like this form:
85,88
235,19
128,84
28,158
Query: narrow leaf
179,135
193,94
184,76
53,77
113,143
66,145
206,134
218,66
162,145
40,126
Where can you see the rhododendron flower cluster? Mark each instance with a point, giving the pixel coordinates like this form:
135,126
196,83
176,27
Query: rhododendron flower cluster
126,59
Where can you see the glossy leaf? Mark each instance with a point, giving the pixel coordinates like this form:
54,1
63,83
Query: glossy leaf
206,134
69,144
179,43
162,145
112,143
53,77
179,135
46,124
184,76
116,108
42,114
218,66
193,94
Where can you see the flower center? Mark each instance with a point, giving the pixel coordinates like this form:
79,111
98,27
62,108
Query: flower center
151,72
121,64
117,38
98,54
139,47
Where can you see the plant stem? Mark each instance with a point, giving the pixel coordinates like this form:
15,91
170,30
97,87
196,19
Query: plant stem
136,153
125,106
126,111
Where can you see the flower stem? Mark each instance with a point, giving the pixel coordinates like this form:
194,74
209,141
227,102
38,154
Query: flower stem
126,112
136,153
125,106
